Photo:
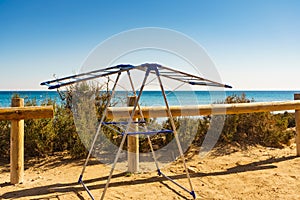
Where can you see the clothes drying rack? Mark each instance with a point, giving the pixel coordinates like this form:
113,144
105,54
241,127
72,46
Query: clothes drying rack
126,127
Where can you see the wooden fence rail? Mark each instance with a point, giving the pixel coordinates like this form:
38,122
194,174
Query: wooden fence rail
28,112
198,110
17,113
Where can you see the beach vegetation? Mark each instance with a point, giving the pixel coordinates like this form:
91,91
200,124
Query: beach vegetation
263,128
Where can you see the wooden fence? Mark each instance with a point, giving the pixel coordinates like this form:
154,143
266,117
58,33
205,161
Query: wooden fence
213,109
17,113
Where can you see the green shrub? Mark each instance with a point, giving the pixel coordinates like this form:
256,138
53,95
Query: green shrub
4,139
262,128
46,136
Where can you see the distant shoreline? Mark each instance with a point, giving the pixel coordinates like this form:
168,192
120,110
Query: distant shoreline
233,90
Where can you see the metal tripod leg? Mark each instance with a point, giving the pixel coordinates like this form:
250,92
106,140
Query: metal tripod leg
175,135
96,136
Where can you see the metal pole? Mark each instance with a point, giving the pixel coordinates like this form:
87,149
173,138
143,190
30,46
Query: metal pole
99,128
174,129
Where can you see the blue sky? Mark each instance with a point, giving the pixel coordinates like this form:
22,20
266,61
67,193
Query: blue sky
254,44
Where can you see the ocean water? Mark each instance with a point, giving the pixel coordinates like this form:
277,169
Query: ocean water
155,98
39,96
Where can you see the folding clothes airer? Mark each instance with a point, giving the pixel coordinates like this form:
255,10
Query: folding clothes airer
159,71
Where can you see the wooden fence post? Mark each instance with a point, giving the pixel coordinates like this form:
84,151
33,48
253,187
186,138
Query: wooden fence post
297,119
133,144
17,146
16,114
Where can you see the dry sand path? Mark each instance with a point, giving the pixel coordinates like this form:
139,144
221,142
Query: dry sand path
256,173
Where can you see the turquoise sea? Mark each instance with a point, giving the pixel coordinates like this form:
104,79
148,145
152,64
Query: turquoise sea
154,98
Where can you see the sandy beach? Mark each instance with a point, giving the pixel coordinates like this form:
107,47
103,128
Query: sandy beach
227,173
